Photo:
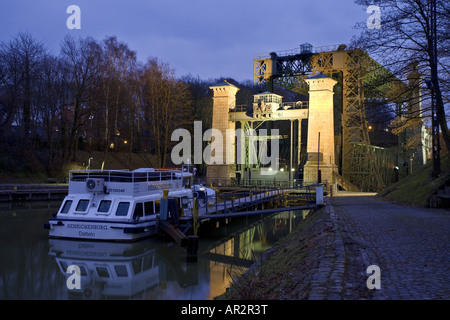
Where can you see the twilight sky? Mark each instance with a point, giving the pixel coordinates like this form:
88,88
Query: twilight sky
205,38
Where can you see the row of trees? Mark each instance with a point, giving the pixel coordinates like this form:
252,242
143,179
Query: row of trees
92,95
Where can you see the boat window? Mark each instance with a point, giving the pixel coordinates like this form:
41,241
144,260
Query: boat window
63,265
82,205
147,263
83,271
66,206
102,272
137,265
122,209
138,210
149,208
121,271
104,206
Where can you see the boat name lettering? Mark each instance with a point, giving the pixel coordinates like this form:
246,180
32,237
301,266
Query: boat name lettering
86,253
86,234
86,226
116,190
159,187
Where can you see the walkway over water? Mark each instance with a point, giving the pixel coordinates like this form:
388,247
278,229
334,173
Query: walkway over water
258,202
232,205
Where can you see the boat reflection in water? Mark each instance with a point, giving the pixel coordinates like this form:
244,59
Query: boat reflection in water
139,270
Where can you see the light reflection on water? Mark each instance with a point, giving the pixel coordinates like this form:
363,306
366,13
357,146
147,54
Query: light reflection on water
33,266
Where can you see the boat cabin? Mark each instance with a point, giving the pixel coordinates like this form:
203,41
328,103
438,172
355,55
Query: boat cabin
123,195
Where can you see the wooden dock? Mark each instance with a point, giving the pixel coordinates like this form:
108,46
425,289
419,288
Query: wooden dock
32,192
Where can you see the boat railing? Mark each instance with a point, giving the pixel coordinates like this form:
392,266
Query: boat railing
125,176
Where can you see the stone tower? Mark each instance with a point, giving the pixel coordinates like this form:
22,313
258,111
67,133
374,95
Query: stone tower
221,168
419,132
321,120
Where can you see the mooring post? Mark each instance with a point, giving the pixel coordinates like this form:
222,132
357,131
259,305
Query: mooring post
224,204
319,194
195,216
192,249
164,209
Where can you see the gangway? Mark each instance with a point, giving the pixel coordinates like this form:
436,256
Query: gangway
231,205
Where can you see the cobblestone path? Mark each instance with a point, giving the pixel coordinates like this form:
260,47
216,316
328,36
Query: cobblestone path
410,246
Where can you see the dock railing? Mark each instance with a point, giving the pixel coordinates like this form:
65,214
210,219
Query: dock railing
249,183
236,201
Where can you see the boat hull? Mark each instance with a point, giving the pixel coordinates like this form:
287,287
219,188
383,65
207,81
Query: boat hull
101,230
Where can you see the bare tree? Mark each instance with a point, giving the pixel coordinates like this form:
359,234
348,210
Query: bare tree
167,105
119,61
20,61
48,109
406,35
82,63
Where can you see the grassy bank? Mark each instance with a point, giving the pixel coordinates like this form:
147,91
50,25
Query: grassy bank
282,272
417,188
114,160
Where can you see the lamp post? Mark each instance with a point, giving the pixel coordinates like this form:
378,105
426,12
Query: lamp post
318,160
396,173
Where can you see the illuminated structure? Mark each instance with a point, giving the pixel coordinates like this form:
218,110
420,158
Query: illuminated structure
342,82
321,166
352,69
224,100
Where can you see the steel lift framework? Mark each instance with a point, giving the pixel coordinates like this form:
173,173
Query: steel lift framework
357,76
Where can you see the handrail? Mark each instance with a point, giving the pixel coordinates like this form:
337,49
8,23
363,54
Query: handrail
284,105
296,51
296,105
228,202
125,175
239,108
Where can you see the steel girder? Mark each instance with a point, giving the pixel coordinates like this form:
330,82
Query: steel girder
355,70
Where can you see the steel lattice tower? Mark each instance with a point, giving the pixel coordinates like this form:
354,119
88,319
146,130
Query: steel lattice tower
354,70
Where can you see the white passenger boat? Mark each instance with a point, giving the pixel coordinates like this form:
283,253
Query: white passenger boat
118,204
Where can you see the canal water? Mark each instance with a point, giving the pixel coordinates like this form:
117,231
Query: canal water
32,266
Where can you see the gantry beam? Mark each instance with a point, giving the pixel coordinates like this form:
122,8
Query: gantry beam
356,73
